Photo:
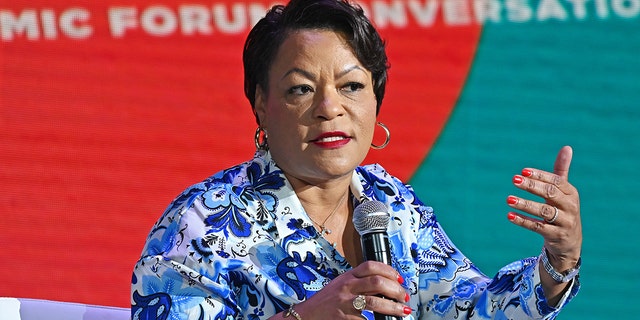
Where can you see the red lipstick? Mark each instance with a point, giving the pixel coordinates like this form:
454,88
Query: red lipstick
331,140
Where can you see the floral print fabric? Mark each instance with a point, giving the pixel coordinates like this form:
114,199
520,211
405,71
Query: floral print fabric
239,245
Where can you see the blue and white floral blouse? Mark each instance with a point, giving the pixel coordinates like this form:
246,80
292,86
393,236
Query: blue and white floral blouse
240,246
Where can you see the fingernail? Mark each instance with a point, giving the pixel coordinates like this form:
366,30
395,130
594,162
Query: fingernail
511,216
512,200
406,297
400,279
527,172
406,310
517,179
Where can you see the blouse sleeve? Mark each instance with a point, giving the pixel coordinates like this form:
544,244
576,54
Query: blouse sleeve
442,282
451,286
168,281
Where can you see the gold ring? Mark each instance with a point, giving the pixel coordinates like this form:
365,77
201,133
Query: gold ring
359,302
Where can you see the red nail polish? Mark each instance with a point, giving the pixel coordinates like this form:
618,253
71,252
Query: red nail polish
511,216
527,172
406,297
512,200
400,279
407,310
517,179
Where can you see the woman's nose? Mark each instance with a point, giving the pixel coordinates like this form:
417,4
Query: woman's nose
329,105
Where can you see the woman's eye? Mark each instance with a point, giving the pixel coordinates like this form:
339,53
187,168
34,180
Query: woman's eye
300,90
353,86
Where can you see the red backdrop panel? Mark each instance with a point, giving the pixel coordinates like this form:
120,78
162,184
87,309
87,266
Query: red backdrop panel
99,130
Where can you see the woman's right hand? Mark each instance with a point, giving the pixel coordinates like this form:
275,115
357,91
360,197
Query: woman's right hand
371,279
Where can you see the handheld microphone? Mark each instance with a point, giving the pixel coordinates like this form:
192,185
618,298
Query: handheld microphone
371,220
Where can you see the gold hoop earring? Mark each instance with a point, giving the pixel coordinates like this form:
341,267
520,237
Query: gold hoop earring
386,141
260,145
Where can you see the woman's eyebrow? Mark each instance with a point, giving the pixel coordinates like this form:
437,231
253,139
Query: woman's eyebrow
311,76
351,68
304,73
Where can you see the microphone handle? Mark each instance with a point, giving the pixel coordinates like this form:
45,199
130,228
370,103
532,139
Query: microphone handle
375,247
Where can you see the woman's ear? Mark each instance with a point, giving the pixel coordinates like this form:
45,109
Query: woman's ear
260,106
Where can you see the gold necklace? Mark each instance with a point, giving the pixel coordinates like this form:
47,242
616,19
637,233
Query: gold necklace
323,229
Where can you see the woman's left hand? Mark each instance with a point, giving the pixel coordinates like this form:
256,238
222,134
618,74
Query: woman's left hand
557,219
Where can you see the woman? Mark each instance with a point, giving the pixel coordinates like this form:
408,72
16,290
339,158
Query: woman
273,238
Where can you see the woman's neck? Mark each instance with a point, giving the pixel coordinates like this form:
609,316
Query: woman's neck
329,206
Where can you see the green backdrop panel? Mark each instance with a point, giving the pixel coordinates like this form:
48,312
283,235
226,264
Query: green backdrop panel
533,88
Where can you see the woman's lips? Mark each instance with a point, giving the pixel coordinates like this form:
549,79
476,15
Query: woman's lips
331,140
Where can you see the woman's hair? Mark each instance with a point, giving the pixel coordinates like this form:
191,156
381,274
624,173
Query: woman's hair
269,33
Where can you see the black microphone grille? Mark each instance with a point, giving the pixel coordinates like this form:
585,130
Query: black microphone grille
371,216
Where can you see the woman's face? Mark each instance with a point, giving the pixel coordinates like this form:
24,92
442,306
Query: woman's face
320,108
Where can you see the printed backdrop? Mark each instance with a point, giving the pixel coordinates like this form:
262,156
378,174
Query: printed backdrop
109,109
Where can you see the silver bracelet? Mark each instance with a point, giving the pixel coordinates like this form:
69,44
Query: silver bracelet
291,313
560,277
